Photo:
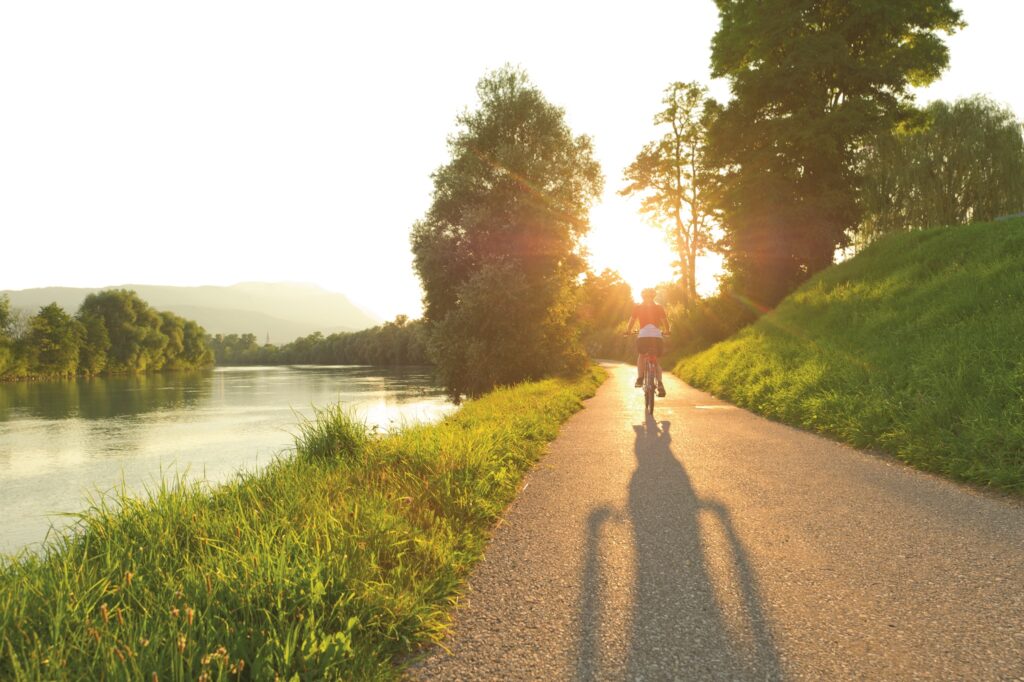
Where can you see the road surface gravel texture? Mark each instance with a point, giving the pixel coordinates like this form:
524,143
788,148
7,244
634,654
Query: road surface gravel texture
709,543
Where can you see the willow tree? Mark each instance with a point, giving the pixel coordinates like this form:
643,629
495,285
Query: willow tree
964,164
498,250
810,80
674,179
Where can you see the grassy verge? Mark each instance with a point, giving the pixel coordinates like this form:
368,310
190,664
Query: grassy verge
328,565
913,347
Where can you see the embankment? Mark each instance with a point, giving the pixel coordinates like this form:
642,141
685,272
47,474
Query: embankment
914,347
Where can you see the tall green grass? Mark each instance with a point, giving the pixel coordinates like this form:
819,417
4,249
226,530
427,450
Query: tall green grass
332,564
914,347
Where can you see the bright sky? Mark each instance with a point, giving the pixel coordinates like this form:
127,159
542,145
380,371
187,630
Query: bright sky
216,142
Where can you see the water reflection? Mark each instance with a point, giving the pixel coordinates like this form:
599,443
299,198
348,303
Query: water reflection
102,397
59,440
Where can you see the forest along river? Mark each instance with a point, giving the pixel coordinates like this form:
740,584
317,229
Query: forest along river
63,441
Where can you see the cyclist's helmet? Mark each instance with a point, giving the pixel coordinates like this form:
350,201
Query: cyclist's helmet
648,295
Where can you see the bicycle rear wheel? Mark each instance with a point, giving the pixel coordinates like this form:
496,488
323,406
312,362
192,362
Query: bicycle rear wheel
649,388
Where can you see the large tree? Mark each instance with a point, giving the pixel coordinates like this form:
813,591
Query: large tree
965,163
53,341
811,79
674,179
497,251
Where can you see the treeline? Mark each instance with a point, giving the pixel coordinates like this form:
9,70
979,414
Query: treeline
113,332
951,164
401,342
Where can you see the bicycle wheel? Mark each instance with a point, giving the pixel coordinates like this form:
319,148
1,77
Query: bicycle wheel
649,388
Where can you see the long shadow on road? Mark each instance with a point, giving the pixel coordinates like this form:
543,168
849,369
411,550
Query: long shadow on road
696,609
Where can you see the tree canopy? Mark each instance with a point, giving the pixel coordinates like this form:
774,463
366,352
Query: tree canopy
810,80
963,164
497,251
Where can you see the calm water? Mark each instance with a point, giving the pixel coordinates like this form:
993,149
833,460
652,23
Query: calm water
60,441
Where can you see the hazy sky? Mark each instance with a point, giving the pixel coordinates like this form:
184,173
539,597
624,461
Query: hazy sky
217,142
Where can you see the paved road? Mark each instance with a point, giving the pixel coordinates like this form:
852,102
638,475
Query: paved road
709,543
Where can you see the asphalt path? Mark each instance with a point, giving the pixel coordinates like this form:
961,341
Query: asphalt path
710,543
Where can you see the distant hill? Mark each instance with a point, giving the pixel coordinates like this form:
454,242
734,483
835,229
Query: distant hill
285,311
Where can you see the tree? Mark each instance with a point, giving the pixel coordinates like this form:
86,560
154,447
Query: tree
810,80
139,338
497,251
604,304
964,164
92,353
7,345
53,341
673,176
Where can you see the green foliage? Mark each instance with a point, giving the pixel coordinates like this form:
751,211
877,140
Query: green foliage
708,321
136,343
52,342
95,345
497,251
674,178
964,164
604,303
316,568
7,337
912,347
114,332
400,342
810,81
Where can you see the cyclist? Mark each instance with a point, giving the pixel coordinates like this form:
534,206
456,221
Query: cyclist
652,322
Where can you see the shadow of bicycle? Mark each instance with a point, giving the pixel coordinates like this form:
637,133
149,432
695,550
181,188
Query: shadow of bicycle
697,611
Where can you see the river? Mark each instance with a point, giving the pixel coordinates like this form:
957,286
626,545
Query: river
61,442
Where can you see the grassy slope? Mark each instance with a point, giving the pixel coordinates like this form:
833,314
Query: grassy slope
914,347
329,565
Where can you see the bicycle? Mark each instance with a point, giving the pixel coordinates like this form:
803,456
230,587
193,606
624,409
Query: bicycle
650,379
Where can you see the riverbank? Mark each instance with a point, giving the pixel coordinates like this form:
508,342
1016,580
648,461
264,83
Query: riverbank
333,563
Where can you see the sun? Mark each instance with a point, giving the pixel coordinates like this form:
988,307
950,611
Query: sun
620,240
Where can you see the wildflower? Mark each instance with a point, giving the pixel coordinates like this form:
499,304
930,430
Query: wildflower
105,612
182,641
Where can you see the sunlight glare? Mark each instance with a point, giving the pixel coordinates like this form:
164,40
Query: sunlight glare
621,240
